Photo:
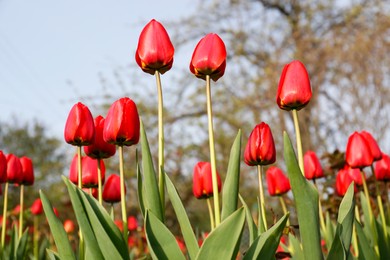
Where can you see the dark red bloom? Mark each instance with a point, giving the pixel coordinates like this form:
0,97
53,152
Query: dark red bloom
294,90
112,189
209,57
358,153
27,171
260,149
374,147
3,168
312,165
79,127
132,223
382,168
202,181
14,169
155,50
122,123
277,182
99,148
36,208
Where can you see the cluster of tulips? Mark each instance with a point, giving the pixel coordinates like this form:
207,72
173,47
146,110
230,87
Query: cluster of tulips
352,236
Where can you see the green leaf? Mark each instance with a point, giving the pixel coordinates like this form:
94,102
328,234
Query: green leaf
162,243
260,222
296,248
151,195
264,247
383,241
140,186
346,217
306,200
231,184
223,241
369,224
22,245
337,251
184,222
366,251
57,230
52,255
250,222
330,231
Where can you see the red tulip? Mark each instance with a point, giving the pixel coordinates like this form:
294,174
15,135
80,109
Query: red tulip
343,180
89,171
358,152
382,168
27,171
3,167
260,149
374,148
155,50
294,90
14,169
122,123
99,148
209,57
91,191
277,182
73,170
36,208
202,181
112,190
69,226
132,223
312,165
79,127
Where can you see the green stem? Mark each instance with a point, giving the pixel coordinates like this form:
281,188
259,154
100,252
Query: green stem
284,208
100,195
379,200
212,223
261,193
4,226
123,195
212,153
367,195
36,237
80,175
321,213
355,242
161,175
21,210
112,214
299,141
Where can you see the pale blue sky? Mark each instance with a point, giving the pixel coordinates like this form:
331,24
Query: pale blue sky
46,44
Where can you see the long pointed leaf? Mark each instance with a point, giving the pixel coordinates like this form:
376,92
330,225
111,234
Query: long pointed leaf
306,200
231,184
366,251
296,248
337,251
249,220
22,245
140,186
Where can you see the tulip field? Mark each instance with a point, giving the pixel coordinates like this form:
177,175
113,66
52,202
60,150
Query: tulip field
360,230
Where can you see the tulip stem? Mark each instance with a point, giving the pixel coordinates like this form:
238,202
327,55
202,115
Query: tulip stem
212,153
100,196
284,208
211,214
79,171
123,195
321,213
21,210
261,192
299,141
161,175
380,204
367,195
4,225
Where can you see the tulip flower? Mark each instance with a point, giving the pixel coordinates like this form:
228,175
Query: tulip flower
277,182
209,58
99,149
294,90
343,180
69,226
358,153
260,149
36,208
89,177
202,181
312,165
3,167
27,171
14,169
132,223
79,127
122,125
111,190
155,50
373,145
382,168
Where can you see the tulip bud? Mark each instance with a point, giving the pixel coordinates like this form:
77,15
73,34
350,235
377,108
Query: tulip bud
294,90
14,169
3,168
122,123
27,171
99,148
277,182
209,57
202,181
155,50
36,208
358,152
112,189
79,128
373,145
382,168
312,166
260,149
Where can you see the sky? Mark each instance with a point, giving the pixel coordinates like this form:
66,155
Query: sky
51,52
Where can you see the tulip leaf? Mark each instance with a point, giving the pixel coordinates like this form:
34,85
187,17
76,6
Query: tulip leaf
162,243
330,231
223,242
383,240
296,248
369,224
184,222
366,251
57,230
231,184
52,255
306,200
140,186
264,247
152,196
249,220
22,245
337,251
